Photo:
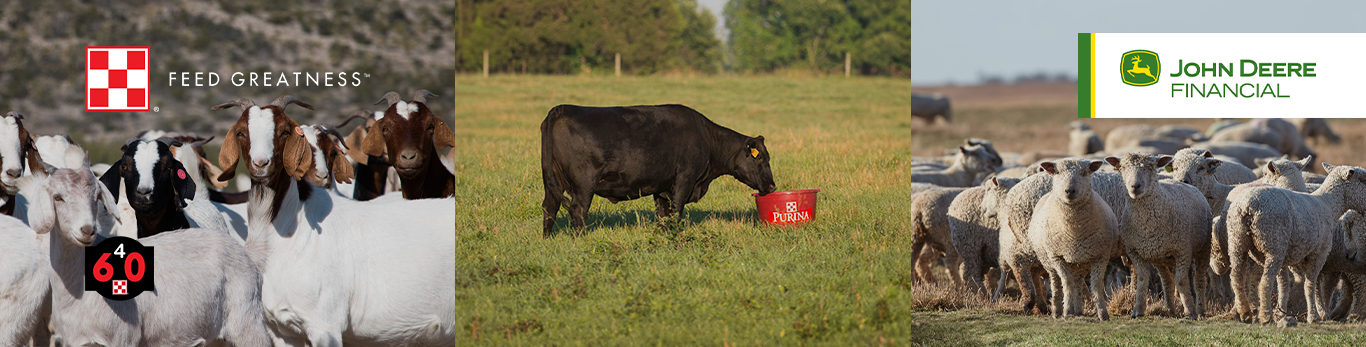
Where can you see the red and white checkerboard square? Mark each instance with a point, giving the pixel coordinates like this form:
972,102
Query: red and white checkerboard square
116,79
120,287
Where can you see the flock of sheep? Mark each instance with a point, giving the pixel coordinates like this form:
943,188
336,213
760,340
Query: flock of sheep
308,256
1173,201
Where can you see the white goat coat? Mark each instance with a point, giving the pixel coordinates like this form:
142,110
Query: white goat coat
373,274
200,212
24,274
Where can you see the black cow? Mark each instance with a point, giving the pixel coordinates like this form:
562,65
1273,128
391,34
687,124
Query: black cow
623,153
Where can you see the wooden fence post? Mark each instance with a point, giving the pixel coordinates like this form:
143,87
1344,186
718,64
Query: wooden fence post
618,64
486,63
846,63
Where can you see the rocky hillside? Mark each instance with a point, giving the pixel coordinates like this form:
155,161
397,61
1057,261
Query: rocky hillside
403,45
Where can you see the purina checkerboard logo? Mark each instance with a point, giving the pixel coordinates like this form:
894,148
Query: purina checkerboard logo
116,79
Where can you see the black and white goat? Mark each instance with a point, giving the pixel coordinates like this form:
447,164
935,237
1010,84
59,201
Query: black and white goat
156,185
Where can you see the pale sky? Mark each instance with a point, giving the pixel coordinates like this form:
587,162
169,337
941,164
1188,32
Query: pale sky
956,41
717,8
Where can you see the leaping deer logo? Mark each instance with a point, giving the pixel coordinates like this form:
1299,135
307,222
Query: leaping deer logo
1139,70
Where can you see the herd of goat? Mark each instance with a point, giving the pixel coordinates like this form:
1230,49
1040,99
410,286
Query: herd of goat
1230,211
307,256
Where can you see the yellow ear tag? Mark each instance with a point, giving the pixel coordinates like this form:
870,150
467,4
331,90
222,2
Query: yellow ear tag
754,152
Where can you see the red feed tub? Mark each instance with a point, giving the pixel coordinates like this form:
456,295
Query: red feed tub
787,207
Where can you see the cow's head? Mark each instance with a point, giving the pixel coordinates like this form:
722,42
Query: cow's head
408,132
750,166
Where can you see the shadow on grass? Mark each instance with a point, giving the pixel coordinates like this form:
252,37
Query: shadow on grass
632,218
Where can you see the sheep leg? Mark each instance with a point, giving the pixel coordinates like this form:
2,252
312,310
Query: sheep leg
1201,277
1183,288
1344,303
1056,291
991,278
1041,292
971,268
1238,280
1169,289
1070,291
953,264
1313,303
1270,273
1358,297
1140,283
916,248
1098,295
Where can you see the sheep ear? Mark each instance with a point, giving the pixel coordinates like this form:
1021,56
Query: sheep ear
962,150
109,200
443,137
1328,167
1213,165
1095,165
230,153
994,182
183,183
1113,161
1049,167
1304,162
1207,154
373,143
1270,167
1261,161
298,154
1164,161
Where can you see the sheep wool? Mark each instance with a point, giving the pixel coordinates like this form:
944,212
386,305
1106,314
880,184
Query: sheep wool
1074,233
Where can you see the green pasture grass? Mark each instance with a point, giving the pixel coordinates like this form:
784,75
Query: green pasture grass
722,278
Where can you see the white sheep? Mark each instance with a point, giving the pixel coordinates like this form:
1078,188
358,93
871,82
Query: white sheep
973,228
1246,152
1074,233
971,163
1230,173
1262,222
335,269
930,228
208,291
1081,140
1315,128
1347,261
1165,224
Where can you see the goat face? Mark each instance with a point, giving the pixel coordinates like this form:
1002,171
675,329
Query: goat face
74,198
268,138
408,132
329,156
154,180
15,143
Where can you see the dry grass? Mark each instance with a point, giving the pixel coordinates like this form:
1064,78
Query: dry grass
1025,118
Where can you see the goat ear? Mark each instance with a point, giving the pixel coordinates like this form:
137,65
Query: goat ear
183,183
109,200
230,153
373,143
210,173
42,217
443,137
353,141
111,179
36,165
341,168
297,154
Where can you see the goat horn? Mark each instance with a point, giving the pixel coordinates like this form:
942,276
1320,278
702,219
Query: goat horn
336,135
16,115
243,102
421,96
390,97
359,114
129,142
285,100
170,142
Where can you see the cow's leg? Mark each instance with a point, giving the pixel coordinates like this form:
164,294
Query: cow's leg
579,202
550,209
682,192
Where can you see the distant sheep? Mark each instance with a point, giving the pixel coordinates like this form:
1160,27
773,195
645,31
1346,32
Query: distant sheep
1315,128
929,106
1081,140
971,163
1074,233
1246,152
1168,139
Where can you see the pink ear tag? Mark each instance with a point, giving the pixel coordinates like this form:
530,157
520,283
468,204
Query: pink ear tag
180,172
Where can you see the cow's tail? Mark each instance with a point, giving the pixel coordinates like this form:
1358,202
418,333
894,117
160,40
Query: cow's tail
548,177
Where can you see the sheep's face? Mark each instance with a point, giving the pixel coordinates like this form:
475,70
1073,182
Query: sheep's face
272,142
152,178
1196,170
408,132
996,191
1353,224
1071,177
329,157
75,198
1139,172
1350,181
976,158
14,142
991,156
1285,173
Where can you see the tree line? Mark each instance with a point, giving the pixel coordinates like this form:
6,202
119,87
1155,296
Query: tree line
653,36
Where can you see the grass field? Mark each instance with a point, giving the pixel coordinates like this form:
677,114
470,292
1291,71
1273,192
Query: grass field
1025,118
723,279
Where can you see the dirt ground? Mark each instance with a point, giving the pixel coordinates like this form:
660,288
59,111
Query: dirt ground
1034,117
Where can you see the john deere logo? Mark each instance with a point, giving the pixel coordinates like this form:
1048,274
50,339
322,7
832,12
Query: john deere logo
1139,67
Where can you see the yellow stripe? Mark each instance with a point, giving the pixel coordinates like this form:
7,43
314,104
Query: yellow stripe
1093,75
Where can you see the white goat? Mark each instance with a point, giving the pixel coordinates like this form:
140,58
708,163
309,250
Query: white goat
24,284
208,291
333,270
